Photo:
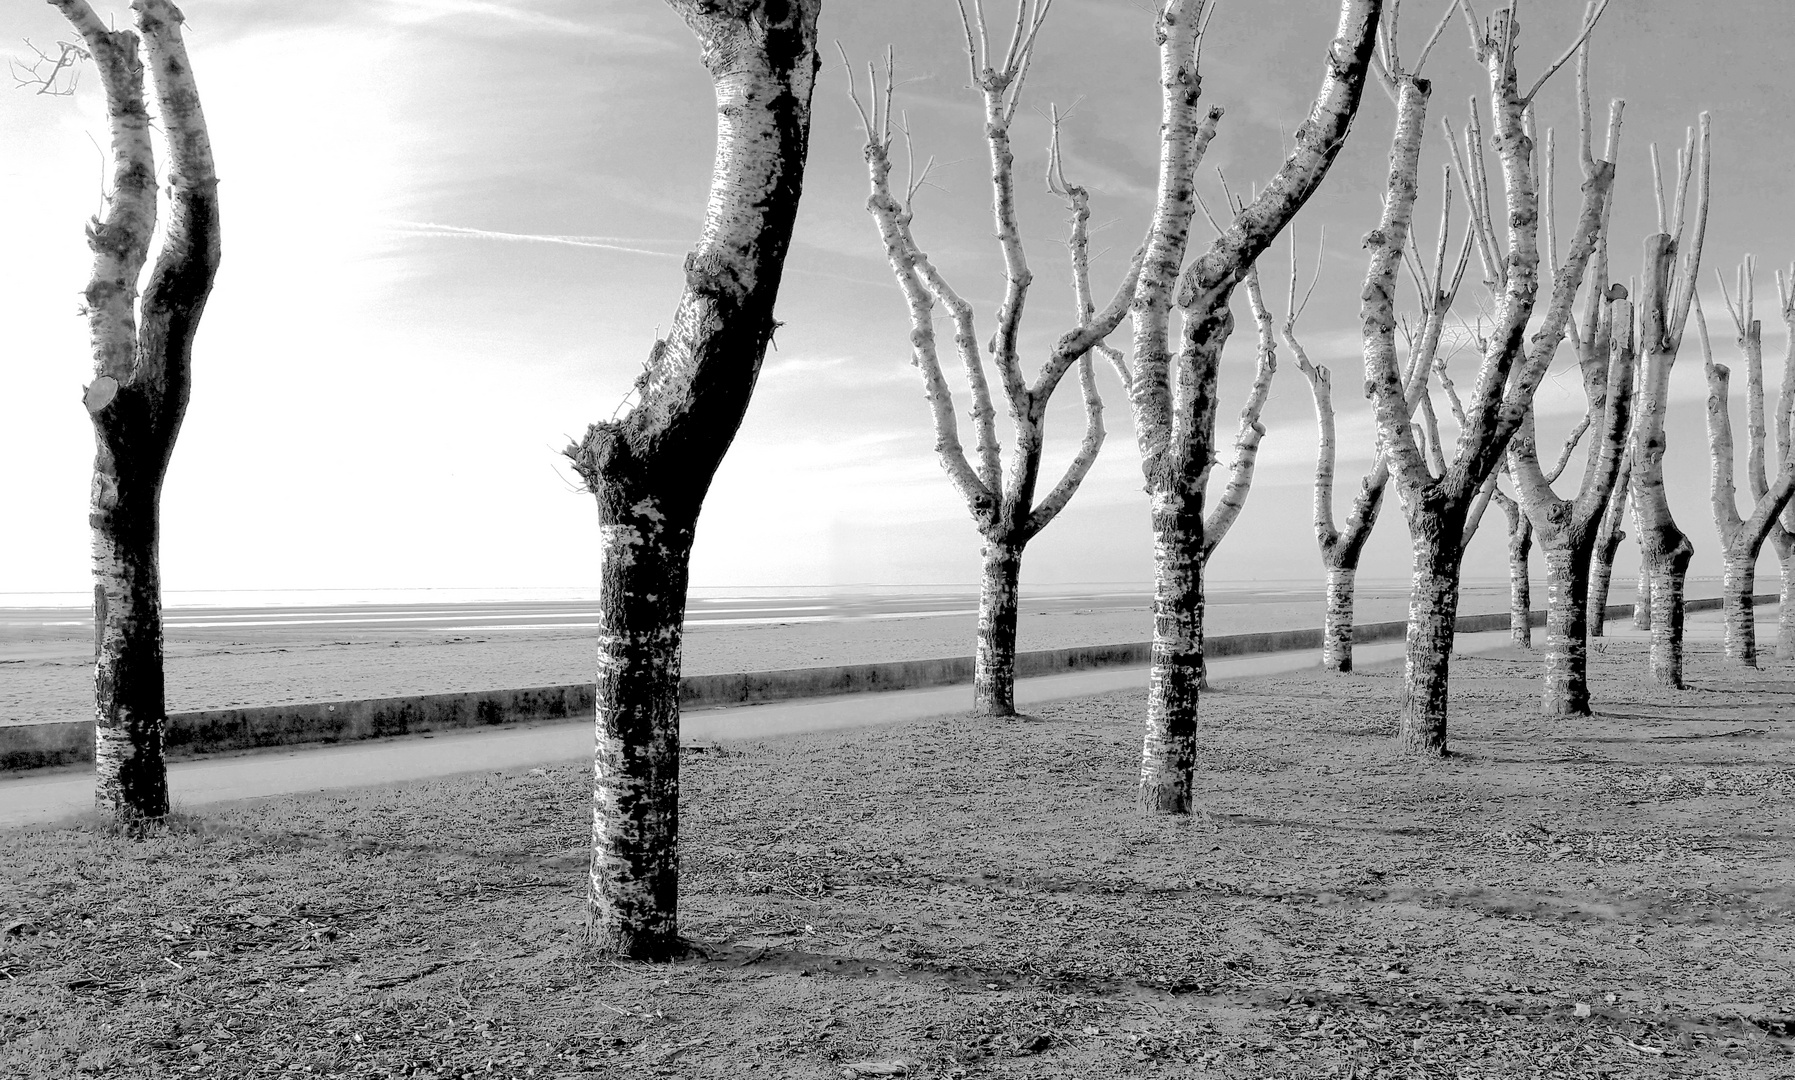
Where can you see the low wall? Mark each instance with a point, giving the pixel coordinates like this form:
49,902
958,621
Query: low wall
36,746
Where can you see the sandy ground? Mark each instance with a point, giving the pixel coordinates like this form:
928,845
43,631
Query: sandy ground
47,674
1606,897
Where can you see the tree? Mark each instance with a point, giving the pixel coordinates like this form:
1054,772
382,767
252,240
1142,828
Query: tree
1742,538
1437,506
1666,293
1002,502
1782,538
1341,548
1174,419
650,470
1568,530
143,349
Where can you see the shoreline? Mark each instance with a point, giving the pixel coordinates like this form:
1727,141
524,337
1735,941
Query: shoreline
48,678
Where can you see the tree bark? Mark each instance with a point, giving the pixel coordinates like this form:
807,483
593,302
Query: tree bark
1737,583
1169,753
1336,634
1785,610
1433,618
1566,690
650,470
633,899
1608,539
1642,595
1669,572
1520,584
994,664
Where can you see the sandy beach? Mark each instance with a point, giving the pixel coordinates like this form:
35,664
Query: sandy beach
274,656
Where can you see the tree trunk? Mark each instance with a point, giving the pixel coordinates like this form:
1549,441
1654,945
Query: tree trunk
994,665
1785,609
1741,578
131,779
1336,634
1170,752
1601,574
1642,596
1520,586
1566,691
1433,617
1668,572
633,902
650,469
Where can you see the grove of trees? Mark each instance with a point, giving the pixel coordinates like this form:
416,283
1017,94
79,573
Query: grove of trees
649,469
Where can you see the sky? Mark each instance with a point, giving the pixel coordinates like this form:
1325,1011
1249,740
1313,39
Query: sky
452,229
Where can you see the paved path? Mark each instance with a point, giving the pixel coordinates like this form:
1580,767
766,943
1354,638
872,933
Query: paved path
39,797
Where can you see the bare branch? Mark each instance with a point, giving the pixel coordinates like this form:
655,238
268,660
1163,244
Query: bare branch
1439,28
1589,24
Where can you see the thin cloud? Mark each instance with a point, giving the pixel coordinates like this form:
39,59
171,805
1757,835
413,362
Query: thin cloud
497,15
603,243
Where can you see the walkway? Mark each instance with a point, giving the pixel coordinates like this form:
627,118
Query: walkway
40,797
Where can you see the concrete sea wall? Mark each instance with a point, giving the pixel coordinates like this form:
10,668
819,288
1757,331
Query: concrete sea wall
37,746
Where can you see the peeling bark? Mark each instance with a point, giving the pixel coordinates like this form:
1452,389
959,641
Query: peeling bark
142,370
650,470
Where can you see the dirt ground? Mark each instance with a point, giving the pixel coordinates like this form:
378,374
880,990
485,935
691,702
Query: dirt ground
960,898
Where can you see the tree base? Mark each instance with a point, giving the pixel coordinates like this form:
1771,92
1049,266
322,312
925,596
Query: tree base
640,948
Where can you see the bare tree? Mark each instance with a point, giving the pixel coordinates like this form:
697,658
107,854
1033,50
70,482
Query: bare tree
142,350
1569,529
1742,538
1666,294
1438,506
650,469
1174,417
1002,502
1341,548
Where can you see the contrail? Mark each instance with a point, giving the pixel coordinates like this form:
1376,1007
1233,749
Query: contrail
606,243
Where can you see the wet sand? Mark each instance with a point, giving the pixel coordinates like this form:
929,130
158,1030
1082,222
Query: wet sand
213,661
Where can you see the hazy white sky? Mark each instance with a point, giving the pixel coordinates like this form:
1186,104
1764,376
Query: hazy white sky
453,227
